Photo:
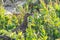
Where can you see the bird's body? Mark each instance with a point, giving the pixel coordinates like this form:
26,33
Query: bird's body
23,25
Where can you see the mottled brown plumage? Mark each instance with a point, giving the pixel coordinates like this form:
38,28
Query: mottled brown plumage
23,25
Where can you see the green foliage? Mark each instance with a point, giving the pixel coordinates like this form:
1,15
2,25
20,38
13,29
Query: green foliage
7,22
43,25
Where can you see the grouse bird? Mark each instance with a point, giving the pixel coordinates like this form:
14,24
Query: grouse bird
23,25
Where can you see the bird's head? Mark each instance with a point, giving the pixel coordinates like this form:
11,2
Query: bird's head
28,14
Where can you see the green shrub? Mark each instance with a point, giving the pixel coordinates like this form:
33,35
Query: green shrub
43,25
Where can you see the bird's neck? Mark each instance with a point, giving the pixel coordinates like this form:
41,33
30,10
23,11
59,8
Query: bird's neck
25,19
